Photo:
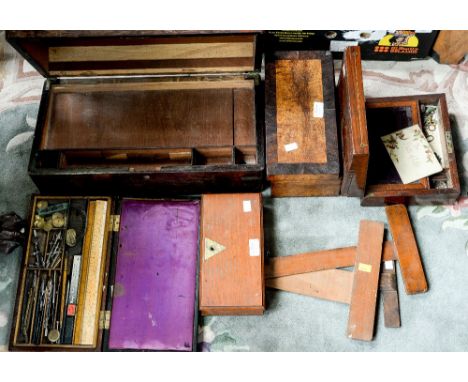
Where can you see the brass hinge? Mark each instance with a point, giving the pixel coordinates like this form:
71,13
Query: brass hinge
114,223
104,319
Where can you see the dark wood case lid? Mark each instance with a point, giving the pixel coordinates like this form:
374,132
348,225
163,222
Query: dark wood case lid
96,53
353,125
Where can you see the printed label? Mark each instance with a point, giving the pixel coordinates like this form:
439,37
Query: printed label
254,247
365,267
318,109
291,147
247,206
340,46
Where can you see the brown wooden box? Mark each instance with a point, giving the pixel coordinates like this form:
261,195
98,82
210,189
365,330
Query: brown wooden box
146,112
231,255
367,170
107,283
302,153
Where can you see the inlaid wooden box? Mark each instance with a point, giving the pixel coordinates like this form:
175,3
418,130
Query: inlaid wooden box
302,153
128,281
231,255
146,112
368,171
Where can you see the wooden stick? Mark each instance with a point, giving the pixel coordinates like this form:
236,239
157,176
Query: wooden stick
389,291
366,281
331,284
317,261
406,249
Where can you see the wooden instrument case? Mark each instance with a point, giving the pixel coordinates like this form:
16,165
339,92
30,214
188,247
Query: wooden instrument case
107,282
140,112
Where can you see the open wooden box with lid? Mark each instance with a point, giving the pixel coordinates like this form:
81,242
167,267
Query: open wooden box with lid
137,112
103,274
368,171
122,274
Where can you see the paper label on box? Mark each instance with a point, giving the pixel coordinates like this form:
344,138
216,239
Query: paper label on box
254,247
247,205
365,267
340,46
318,109
411,154
291,147
388,265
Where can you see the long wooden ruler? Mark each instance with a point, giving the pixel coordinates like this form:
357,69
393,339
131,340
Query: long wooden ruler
366,281
406,249
88,308
317,261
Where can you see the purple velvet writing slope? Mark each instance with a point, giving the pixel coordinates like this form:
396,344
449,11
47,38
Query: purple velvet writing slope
154,291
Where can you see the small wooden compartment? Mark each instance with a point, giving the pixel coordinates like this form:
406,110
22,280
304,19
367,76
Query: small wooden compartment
368,171
302,143
102,274
146,112
231,255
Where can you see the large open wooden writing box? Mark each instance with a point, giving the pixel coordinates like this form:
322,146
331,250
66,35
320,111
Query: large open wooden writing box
367,169
146,112
128,282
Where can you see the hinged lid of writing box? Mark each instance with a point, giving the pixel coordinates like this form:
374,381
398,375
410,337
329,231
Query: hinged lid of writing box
353,125
97,53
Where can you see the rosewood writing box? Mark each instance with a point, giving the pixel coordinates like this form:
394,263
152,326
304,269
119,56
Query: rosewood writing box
138,112
302,153
103,275
368,171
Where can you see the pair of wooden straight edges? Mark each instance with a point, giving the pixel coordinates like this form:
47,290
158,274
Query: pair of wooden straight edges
336,284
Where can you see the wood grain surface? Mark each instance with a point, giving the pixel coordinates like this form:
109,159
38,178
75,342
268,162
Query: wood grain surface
451,46
145,119
279,266
298,86
353,124
406,249
231,271
366,281
331,284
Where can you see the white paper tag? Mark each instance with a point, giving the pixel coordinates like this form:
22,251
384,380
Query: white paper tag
318,109
254,247
291,147
389,265
339,46
247,205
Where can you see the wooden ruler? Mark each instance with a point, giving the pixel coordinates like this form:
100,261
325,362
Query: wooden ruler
389,292
331,284
316,261
90,287
366,281
406,249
